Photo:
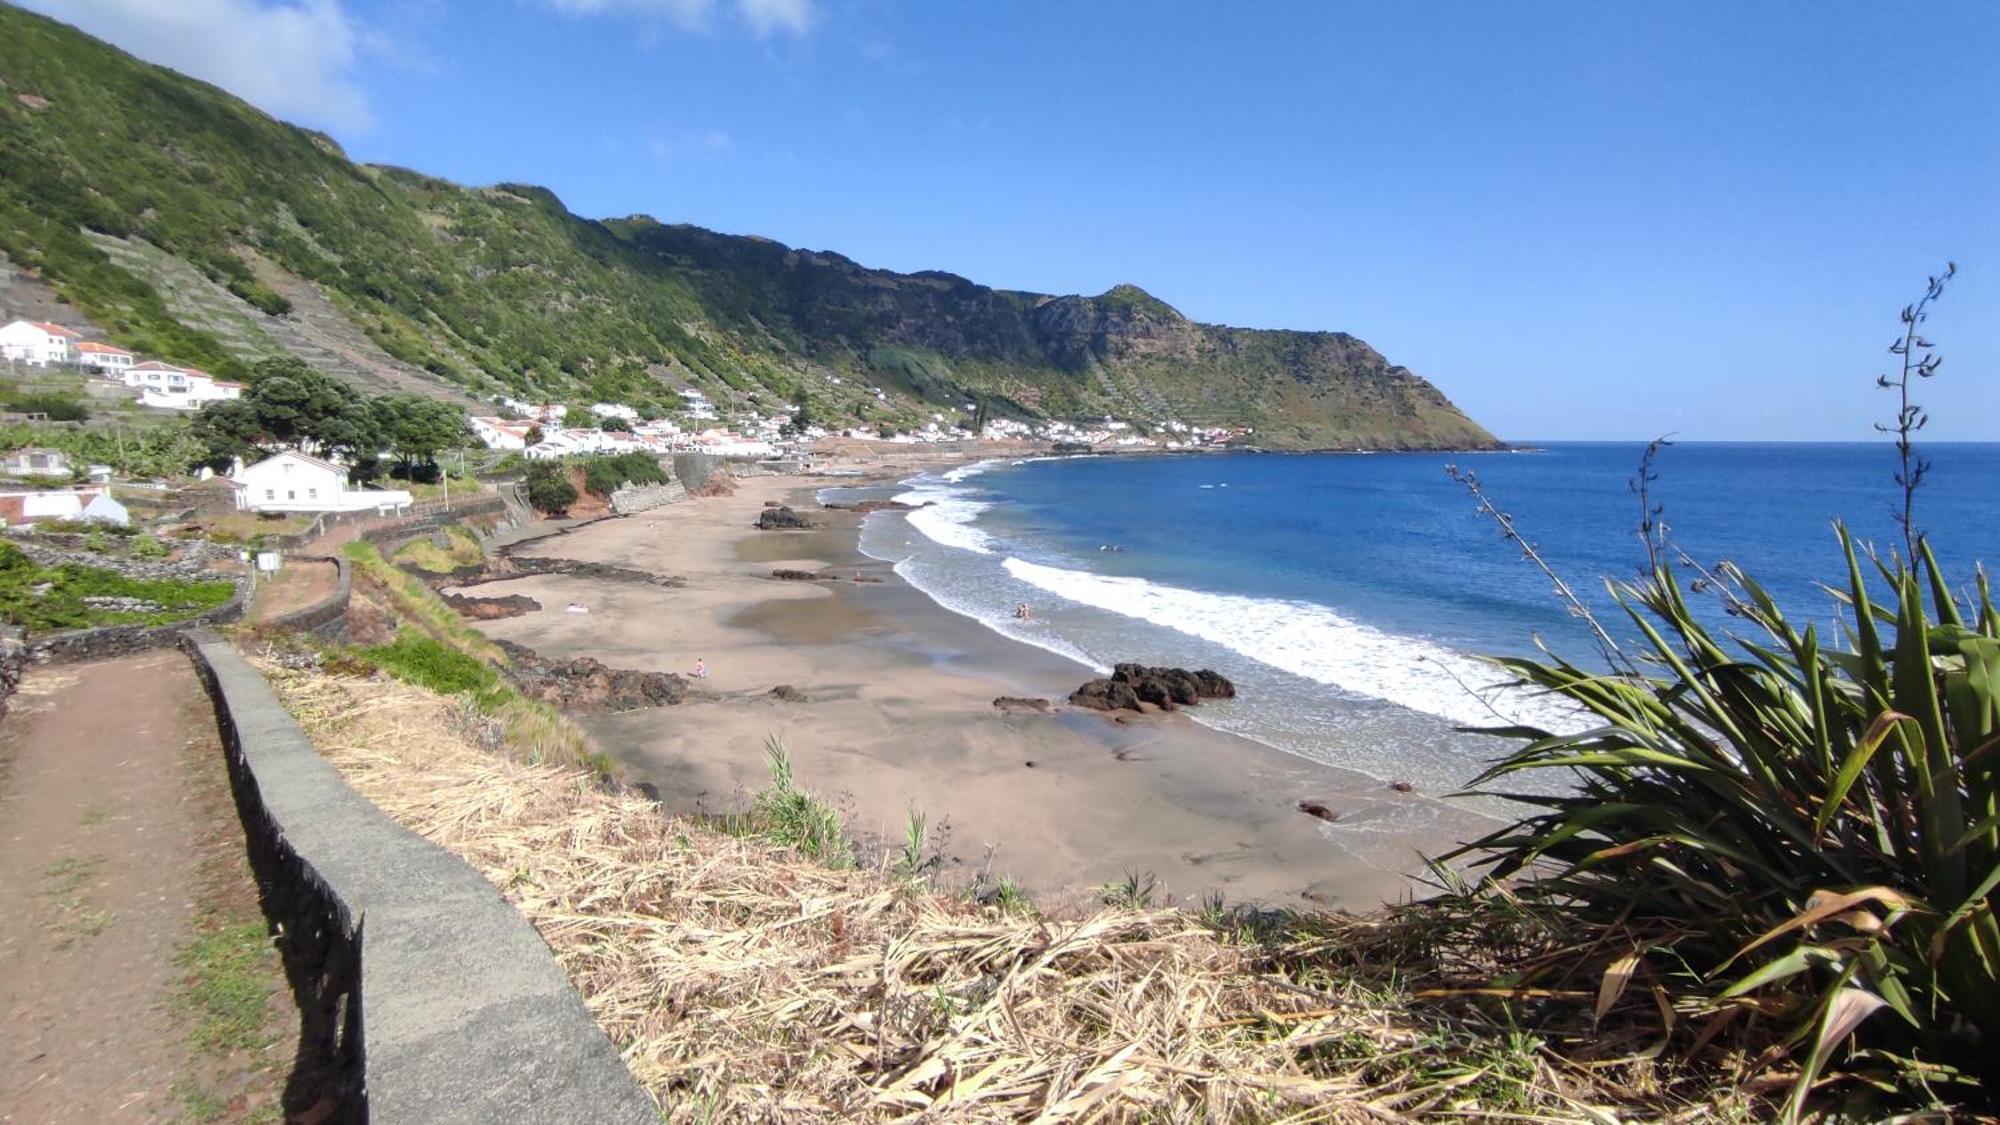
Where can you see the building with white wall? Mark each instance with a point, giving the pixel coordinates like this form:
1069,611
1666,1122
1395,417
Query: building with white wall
178,388
37,342
110,362
294,482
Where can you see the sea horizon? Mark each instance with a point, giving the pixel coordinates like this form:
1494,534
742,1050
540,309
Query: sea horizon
1369,652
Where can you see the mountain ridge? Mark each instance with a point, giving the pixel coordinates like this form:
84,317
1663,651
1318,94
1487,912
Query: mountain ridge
482,291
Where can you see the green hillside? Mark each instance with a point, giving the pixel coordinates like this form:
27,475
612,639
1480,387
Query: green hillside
186,224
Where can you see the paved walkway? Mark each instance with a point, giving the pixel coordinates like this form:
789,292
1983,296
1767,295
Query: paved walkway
113,815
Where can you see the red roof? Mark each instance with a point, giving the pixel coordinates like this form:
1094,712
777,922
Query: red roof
96,348
56,330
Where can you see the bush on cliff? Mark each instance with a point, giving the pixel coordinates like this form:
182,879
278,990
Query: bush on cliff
603,476
549,489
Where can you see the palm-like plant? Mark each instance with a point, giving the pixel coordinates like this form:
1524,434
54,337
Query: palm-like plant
1788,826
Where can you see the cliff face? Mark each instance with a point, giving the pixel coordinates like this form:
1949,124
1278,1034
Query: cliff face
189,225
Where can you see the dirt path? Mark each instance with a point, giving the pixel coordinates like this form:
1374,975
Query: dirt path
137,984
300,583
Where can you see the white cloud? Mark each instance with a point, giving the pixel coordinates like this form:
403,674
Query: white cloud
292,58
764,16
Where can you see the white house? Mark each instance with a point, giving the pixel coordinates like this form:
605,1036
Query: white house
35,462
89,505
293,482
37,342
499,433
178,388
110,362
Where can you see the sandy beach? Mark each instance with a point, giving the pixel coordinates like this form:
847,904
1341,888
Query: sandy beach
898,714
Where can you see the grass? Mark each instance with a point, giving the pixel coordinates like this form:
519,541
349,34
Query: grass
792,818
66,884
252,528
743,980
463,549
227,990
53,599
436,648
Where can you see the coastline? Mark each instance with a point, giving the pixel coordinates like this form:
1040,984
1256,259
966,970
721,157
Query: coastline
898,715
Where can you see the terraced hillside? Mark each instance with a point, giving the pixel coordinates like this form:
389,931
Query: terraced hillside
186,224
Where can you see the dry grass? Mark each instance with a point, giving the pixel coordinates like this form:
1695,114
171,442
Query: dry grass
741,983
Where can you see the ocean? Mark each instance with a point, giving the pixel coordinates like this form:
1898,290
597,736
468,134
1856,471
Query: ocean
1353,596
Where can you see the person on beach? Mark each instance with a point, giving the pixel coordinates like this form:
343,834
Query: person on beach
700,668
1021,612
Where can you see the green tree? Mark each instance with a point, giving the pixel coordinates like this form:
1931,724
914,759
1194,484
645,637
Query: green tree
549,489
417,429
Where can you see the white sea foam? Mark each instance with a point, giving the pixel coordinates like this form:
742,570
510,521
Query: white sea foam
1318,644
944,512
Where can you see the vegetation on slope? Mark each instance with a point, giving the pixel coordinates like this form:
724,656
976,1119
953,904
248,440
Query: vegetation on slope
502,289
741,979
74,596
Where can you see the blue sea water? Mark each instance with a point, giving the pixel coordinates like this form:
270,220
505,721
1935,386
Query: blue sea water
1352,595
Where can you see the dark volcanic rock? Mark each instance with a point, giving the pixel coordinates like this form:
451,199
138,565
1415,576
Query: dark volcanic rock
1131,685
782,519
786,693
491,609
518,566
1314,808
584,684
1012,703
866,506
784,575
1105,695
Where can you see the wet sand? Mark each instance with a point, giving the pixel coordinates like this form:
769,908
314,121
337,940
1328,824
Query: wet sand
898,714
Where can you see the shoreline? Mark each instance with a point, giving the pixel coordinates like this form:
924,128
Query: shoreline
898,715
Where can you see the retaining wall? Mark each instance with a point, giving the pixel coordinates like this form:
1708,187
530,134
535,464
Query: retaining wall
422,993
391,536
326,618
644,498
107,641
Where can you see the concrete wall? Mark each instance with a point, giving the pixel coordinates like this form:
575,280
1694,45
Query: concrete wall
425,996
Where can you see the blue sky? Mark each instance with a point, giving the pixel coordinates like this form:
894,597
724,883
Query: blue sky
1582,220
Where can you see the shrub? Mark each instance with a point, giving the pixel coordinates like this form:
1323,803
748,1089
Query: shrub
603,476
419,659
793,818
549,489
1782,829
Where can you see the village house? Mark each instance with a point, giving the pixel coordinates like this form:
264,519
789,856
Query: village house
291,481
499,433
37,342
35,461
111,362
178,388
81,505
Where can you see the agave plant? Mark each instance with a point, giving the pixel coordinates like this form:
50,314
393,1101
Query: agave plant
1791,827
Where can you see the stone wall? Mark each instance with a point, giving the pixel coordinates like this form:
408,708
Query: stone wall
633,499
107,641
390,536
327,618
422,994
13,660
